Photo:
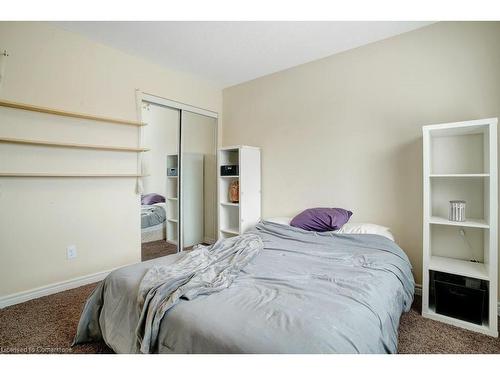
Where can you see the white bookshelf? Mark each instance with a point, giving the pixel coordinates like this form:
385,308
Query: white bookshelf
460,162
172,206
236,218
191,204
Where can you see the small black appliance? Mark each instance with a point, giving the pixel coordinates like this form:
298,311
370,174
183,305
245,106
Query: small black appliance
229,170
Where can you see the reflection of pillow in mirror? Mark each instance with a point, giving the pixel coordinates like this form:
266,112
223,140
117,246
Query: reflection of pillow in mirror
152,198
280,220
366,228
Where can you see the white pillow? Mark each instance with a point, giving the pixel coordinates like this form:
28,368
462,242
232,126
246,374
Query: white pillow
366,228
280,220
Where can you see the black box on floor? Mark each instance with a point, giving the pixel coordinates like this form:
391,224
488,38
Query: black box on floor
460,297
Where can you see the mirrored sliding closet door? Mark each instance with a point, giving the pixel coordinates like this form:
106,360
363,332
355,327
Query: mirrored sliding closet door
181,168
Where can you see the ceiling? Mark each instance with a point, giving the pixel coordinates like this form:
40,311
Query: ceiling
228,53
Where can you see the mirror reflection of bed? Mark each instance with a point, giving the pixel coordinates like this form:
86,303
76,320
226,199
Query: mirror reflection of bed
179,193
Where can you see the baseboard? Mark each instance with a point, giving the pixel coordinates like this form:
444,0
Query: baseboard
418,292
13,299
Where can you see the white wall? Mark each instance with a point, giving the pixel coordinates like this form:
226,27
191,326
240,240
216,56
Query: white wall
345,131
40,217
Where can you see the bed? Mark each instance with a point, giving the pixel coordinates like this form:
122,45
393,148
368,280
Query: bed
304,292
153,222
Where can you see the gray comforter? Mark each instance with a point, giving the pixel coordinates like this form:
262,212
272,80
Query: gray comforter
152,215
305,292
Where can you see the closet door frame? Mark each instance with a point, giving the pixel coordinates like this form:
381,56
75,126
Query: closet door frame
181,107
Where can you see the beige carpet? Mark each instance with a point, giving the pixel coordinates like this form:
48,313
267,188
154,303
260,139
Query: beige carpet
419,335
48,325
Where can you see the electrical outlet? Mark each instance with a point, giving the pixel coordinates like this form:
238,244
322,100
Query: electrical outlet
71,252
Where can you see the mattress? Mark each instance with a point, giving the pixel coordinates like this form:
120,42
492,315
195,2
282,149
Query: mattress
155,233
305,292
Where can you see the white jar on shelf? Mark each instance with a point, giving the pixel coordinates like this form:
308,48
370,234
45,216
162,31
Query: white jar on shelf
457,211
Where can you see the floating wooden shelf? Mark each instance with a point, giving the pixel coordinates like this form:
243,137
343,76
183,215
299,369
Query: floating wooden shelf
71,145
49,174
58,112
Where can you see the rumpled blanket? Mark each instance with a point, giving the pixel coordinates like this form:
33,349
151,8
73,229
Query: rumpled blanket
205,270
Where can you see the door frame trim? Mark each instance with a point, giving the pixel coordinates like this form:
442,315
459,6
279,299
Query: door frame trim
176,105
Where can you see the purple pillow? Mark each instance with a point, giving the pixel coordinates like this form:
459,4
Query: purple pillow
152,198
321,219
